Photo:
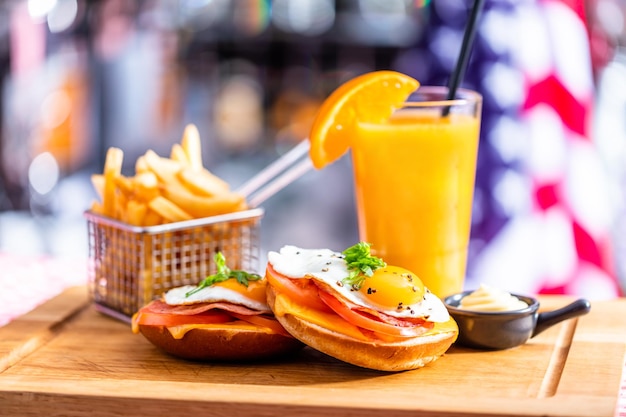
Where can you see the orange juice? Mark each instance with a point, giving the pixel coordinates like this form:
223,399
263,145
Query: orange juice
414,178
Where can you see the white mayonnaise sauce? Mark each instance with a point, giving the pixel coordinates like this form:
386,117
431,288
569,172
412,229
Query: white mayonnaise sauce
487,298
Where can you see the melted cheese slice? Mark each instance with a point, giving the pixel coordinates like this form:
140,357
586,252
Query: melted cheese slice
284,305
178,332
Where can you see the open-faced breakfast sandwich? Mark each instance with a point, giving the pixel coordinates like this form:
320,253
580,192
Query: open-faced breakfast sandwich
354,307
224,318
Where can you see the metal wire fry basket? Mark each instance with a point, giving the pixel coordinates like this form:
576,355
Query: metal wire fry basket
130,266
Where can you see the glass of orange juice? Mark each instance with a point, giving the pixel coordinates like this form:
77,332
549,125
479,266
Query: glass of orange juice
414,183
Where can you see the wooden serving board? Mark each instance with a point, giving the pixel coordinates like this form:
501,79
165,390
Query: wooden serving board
66,359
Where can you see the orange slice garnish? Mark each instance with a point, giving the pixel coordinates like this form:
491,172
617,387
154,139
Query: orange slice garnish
371,97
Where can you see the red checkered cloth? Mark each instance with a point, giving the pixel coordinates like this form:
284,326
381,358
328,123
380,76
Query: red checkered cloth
27,281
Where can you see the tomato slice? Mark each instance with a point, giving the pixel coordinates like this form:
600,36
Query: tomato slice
262,321
147,318
302,291
368,323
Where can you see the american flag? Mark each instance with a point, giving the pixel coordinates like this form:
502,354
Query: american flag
543,212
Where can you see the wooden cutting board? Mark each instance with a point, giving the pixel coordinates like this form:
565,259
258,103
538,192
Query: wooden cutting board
66,359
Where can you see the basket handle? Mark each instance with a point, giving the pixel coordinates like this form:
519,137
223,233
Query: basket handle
268,181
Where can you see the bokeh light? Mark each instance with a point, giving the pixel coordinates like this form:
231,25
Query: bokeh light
43,173
304,17
40,8
62,15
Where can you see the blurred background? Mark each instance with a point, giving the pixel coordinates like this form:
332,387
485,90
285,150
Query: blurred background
79,76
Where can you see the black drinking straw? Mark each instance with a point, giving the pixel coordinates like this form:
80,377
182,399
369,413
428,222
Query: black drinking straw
466,46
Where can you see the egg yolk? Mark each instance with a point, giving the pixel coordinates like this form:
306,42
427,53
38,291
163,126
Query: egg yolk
393,287
255,289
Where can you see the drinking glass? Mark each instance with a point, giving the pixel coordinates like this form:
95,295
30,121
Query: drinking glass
414,182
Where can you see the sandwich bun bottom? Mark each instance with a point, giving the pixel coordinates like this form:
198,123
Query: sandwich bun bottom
222,345
403,355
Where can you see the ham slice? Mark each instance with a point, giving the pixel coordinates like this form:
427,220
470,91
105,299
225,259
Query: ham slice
160,307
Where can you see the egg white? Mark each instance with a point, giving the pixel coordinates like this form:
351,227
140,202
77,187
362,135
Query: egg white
329,268
211,294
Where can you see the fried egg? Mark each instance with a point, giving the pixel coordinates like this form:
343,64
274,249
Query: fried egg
253,296
391,289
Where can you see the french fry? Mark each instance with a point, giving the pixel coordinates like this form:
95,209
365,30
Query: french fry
192,146
136,212
112,169
152,218
165,169
168,210
146,186
203,182
199,206
97,181
119,205
97,207
141,165
125,185
113,161
178,154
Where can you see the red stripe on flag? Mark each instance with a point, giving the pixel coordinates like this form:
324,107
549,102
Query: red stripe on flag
550,91
586,247
546,196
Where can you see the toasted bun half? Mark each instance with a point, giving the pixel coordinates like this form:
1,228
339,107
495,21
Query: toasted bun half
410,353
222,344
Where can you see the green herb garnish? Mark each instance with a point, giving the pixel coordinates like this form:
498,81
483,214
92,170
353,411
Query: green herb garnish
223,273
361,264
